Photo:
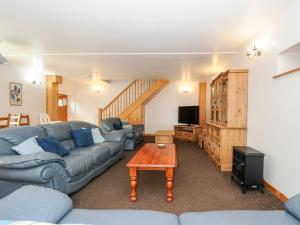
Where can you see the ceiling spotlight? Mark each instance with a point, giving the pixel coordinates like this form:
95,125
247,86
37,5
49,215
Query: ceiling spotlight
3,60
253,52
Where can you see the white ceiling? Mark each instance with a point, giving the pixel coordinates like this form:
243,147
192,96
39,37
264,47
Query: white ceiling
118,39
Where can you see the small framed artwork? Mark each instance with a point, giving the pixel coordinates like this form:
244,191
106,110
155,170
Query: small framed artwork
15,94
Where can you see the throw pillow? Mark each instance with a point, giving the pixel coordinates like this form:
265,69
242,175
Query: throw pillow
292,206
51,144
83,137
97,137
28,146
117,124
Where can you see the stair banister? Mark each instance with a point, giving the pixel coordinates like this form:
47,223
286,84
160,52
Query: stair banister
126,100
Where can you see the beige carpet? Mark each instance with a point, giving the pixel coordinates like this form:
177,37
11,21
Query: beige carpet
198,186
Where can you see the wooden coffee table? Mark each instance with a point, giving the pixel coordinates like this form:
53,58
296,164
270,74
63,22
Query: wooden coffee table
164,136
151,157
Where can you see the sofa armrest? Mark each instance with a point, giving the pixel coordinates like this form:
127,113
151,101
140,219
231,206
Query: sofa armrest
30,160
115,135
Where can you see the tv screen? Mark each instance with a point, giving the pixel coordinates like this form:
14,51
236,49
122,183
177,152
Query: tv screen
188,115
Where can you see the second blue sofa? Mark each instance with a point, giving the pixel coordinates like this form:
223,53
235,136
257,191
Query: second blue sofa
47,205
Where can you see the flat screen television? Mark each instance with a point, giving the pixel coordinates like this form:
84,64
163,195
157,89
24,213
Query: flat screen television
188,115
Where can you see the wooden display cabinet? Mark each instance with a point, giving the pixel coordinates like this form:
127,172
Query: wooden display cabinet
228,117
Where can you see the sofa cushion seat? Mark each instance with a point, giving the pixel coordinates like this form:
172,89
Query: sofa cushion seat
119,217
100,153
238,217
114,147
77,164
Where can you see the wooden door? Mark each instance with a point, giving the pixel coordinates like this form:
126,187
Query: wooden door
62,107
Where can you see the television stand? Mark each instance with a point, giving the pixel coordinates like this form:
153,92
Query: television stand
187,133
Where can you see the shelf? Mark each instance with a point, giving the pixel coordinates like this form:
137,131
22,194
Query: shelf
286,72
224,127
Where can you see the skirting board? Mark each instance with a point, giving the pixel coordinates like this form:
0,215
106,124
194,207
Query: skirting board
149,135
278,194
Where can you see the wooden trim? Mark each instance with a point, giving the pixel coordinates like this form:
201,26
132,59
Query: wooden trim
238,71
202,104
225,127
286,72
278,194
149,135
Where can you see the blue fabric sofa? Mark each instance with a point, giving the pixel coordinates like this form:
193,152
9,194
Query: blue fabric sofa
42,204
67,174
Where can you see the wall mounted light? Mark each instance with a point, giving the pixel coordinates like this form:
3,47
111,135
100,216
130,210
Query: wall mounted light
186,89
3,60
36,82
253,52
97,89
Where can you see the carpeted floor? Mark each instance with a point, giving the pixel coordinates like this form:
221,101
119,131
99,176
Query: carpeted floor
198,186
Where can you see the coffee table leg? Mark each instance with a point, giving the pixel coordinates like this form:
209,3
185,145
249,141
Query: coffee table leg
169,184
133,184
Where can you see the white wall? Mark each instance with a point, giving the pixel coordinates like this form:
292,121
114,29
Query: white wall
33,96
161,113
84,102
273,104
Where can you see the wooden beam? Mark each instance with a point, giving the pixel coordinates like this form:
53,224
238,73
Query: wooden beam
52,82
287,72
278,194
99,117
202,104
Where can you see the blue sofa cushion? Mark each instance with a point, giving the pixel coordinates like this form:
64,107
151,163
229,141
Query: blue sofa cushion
99,152
50,144
117,124
6,148
292,206
29,146
80,124
68,144
35,203
115,147
238,217
83,137
17,135
119,217
77,164
61,131
107,125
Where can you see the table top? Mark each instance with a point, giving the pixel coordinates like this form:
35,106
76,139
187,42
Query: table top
150,155
165,132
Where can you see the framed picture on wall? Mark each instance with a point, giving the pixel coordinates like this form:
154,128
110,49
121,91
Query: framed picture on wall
15,94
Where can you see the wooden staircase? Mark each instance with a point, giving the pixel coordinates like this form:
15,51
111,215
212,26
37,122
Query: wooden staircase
130,103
